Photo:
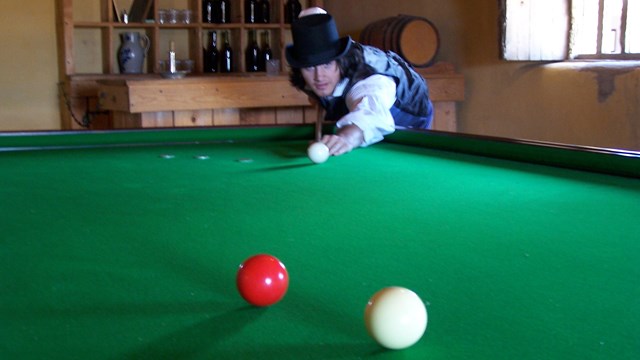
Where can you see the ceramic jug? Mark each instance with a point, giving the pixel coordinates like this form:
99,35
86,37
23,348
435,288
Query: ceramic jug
132,51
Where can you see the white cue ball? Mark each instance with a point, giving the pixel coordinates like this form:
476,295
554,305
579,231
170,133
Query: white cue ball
395,317
318,152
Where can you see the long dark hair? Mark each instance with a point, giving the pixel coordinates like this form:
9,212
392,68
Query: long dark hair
351,65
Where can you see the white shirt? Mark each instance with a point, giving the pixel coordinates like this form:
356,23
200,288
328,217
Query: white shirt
369,102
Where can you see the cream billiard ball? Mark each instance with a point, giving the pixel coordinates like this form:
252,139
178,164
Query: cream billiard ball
318,152
395,317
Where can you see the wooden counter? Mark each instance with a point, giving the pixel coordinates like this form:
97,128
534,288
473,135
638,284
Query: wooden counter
248,99
157,94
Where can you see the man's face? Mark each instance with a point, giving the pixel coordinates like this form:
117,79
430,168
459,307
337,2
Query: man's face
322,79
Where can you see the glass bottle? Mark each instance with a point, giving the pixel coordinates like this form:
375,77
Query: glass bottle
226,60
216,11
211,55
221,12
225,11
265,54
252,55
207,11
265,11
250,11
291,11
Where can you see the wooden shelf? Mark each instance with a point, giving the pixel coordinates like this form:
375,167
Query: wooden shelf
74,50
88,44
147,100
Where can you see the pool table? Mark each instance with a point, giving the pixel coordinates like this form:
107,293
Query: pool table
126,244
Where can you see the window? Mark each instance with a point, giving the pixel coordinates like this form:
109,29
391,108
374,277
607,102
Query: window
570,29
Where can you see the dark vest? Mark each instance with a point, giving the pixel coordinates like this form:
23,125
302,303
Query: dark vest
412,93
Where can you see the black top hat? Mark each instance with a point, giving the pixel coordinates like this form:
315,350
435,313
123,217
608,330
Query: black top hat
315,41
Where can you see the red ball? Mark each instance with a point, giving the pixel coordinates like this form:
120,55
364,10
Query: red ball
262,280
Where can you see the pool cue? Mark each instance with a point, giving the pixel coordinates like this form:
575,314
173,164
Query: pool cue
319,120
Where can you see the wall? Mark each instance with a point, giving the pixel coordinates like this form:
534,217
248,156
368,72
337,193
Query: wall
28,66
590,105
587,104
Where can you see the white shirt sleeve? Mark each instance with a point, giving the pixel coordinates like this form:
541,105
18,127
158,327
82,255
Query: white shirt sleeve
369,102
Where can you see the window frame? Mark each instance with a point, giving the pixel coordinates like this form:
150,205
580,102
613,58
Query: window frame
549,31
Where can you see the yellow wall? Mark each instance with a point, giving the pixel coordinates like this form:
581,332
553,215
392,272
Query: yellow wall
589,105
28,66
596,106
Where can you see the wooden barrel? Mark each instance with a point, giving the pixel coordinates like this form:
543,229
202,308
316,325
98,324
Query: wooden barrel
414,38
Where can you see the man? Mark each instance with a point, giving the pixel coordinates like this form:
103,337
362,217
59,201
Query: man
368,92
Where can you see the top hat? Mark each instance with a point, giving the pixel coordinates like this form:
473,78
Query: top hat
315,41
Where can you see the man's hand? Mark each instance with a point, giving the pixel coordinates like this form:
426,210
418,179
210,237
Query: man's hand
345,140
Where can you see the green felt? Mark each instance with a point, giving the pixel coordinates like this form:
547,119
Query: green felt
121,253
